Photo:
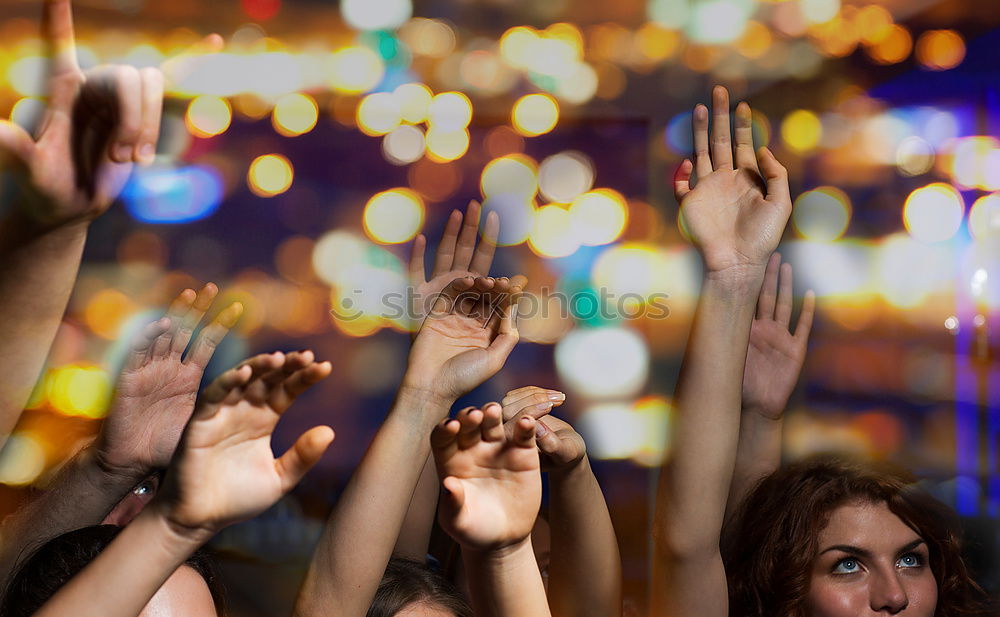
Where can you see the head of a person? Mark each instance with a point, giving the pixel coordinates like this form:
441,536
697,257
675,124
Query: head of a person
834,537
191,591
411,589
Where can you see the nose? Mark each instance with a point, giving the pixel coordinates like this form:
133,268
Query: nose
888,594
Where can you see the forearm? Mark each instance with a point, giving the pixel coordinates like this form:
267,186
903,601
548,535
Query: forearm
126,575
83,494
506,582
694,485
585,569
757,455
415,533
364,526
37,271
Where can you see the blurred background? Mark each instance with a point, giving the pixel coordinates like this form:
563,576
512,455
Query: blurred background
297,164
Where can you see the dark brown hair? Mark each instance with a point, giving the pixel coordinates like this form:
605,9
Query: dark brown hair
60,559
771,543
406,582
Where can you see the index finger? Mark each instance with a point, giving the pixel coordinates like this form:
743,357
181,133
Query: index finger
57,30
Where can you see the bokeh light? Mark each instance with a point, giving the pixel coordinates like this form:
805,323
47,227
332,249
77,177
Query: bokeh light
801,130
378,114
449,112
984,218
295,114
270,175
414,102
552,234
208,116
940,50
376,14
79,390
166,195
914,156
564,176
404,145
822,214
27,113
354,70
893,46
106,312
599,216
535,114
22,459
444,146
933,213
394,216
517,216
516,174
603,363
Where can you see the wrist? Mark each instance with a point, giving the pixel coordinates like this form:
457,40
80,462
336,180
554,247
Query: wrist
500,554
416,390
177,537
112,470
574,469
762,414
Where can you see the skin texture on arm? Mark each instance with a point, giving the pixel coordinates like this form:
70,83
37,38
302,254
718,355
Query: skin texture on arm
774,360
224,472
585,570
736,226
493,489
154,398
458,255
95,126
459,346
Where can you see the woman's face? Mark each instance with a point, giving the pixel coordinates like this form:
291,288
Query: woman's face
869,562
185,594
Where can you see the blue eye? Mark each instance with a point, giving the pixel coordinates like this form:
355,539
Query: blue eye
910,560
847,566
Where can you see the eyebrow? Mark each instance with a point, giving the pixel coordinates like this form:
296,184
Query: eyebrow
854,550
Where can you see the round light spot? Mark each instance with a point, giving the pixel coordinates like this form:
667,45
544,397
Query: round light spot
535,114
22,460
914,156
984,218
552,233
394,216
376,14
414,102
444,146
354,70
449,112
404,145
270,175
602,363
208,116
294,114
599,217
801,130
516,174
378,114
79,391
822,214
933,213
564,176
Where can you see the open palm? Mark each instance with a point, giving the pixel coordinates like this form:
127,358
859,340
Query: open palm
733,215
156,390
493,483
775,355
225,470
466,338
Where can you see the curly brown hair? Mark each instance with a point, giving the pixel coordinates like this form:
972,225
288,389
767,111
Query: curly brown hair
771,542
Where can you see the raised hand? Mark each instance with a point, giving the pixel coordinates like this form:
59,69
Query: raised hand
560,446
458,255
224,470
493,484
734,216
156,390
465,338
95,126
775,355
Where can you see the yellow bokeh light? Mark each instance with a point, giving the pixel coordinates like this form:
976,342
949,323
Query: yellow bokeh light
446,146
404,145
208,116
378,114
79,390
535,114
873,23
414,101
516,174
26,75
933,213
516,45
22,459
984,218
801,130
428,37
565,176
449,112
599,216
27,113
914,156
756,40
894,46
975,162
822,214
940,50
354,70
270,175
657,43
294,114
552,233
394,216
106,311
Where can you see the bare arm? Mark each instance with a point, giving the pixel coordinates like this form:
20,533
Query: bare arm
154,398
585,570
60,187
224,472
492,493
458,254
735,227
452,354
774,360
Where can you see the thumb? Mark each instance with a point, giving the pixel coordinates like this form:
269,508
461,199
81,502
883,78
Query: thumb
454,493
15,142
303,455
